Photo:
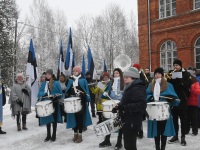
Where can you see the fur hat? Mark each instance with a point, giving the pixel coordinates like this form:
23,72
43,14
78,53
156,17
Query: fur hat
49,71
159,70
132,72
106,74
137,66
77,69
177,61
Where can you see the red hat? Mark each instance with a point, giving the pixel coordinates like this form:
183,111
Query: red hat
106,74
137,66
77,69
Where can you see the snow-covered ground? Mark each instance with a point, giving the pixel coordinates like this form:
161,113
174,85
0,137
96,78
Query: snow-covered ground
34,137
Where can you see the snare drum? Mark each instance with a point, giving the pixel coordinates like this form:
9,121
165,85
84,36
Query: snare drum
72,105
44,108
107,108
106,127
158,111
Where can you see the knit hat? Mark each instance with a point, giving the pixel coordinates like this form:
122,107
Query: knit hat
159,70
88,73
137,66
178,62
49,71
106,74
132,72
77,69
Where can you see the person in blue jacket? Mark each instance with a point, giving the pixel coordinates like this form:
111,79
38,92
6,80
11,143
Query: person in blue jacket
160,130
51,88
78,87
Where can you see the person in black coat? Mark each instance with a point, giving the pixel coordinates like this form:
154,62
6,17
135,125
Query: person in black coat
3,103
182,89
132,107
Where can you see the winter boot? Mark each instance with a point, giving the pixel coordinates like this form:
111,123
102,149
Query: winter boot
53,138
183,142
174,139
2,132
119,143
75,137
79,138
100,117
24,126
48,133
106,142
19,127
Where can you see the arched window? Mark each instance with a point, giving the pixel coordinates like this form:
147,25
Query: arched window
197,53
168,54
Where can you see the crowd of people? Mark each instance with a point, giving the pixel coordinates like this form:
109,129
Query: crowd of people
135,89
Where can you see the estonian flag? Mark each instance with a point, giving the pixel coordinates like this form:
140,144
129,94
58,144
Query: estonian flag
69,61
61,67
83,66
31,72
91,67
104,66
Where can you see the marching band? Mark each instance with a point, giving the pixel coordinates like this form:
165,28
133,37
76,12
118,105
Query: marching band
122,103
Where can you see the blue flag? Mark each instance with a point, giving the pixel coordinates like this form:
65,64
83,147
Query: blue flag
91,68
69,61
83,66
32,73
104,66
60,62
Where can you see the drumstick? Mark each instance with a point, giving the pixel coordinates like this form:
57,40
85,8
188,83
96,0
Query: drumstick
110,98
81,91
51,96
167,97
103,111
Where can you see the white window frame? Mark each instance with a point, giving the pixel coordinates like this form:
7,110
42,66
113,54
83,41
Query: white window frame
171,50
165,9
194,4
196,46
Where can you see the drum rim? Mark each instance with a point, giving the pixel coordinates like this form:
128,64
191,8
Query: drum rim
72,98
151,103
44,101
110,102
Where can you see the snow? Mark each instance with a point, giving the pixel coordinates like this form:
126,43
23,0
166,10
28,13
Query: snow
34,137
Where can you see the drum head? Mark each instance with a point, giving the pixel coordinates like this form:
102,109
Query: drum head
43,102
110,102
71,98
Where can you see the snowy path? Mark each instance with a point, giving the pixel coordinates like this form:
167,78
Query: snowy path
34,137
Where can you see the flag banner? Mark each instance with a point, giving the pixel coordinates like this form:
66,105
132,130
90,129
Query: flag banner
91,67
31,73
61,67
104,66
69,61
83,66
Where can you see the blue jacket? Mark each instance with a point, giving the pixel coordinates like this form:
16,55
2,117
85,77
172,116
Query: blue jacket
71,120
152,124
56,90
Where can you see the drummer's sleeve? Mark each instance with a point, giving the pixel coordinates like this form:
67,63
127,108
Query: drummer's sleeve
149,93
41,90
87,91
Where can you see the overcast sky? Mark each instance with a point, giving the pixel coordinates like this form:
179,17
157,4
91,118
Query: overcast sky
75,8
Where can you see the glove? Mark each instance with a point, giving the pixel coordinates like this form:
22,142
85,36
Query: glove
82,95
19,103
105,93
114,110
25,91
151,99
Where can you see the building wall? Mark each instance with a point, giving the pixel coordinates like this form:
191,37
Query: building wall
183,29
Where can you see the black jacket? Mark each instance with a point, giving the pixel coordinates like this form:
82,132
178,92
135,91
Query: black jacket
182,88
134,102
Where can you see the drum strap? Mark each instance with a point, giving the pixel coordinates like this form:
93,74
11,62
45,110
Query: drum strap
75,90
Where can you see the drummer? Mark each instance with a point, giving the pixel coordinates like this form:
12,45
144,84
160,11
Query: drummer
160,130
51,88
100,99
78,87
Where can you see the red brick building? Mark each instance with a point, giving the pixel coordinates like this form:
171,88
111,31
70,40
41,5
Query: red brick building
169,29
